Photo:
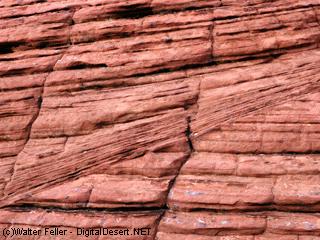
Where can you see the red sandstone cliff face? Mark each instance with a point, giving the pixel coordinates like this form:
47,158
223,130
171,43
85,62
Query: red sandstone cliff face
196,119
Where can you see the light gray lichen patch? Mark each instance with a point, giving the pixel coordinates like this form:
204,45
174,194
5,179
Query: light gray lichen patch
193,193
201,223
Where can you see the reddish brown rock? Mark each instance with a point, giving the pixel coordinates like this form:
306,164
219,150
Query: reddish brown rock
191,118
266,33
168,236
71,221
210,224
80,149
266,165
202,163
294,223
220,192
119,28
259,89
251,165
29,62
297,190
242,181
263,225
105,191
109,107
309,237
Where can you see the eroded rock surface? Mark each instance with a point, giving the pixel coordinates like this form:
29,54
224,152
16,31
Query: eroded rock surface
194,119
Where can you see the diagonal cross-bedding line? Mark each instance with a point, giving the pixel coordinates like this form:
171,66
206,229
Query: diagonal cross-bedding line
115,145
40,99
227,112
218,111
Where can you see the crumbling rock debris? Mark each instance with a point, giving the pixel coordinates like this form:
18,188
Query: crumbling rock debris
196,120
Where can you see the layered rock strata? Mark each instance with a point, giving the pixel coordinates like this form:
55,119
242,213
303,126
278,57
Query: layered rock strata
194,119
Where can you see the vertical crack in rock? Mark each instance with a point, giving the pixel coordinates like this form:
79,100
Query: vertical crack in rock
227,110
157,224
189,134
65,169
201,113
40,98
191,150
29,126
86,204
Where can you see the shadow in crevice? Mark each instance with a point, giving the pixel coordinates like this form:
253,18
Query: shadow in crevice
133,11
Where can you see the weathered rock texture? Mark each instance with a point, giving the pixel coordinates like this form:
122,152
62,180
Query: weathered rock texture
196,119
